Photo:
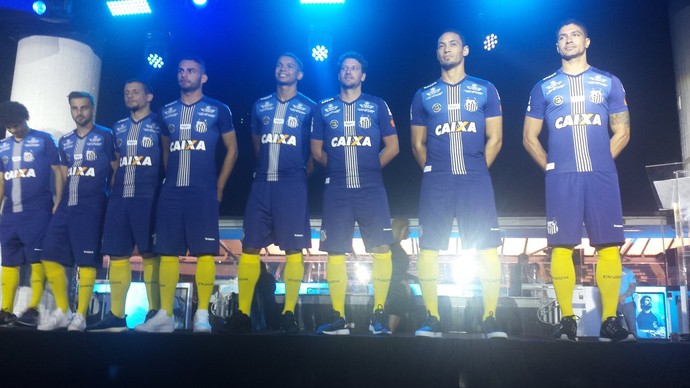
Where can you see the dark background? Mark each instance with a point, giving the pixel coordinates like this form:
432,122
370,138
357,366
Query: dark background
241,40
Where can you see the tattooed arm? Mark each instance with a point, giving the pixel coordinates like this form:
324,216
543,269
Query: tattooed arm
620,126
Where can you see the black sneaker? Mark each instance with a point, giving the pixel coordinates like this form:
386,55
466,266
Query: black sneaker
30,317
110,323
288,323
613,331
152,313
377,323
7,318
338,326
239,323
430,328
566,330
490,327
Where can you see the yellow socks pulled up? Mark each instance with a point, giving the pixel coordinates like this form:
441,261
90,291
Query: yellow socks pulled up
609,272
381,277
205,279
10,281
427,273
336,273
293,275
248,271
491,280
169,275
120,280
55,274
87,278
563,278
38,282
152,268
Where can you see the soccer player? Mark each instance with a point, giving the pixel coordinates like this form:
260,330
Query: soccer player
277,208
29,161
579,103
74,234
457,132
187,213
129,217
354,136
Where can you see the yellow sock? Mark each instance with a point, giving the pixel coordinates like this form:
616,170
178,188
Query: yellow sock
248,271
563,277
427,273
152,268
491,280
293,275
10,281
120,279
609,272
381,275
55,274
169,275
38,282
205,279
87,278
336,274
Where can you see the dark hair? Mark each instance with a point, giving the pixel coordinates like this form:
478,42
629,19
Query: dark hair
11,113
77,94
356,56
197,59
147,88
454,31
293,56
645,297
572,21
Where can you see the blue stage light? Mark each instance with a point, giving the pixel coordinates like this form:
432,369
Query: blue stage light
156,61
200,3
39,7
128,7
490,42
321,1
319,53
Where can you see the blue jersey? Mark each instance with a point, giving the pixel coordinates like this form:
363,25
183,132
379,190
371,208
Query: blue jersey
351,135
576,112
140,157
89,163
455,120
194,132
283,129
26,168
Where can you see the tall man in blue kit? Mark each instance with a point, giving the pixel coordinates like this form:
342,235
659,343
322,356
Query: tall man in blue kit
578,104
187,214
129,218
354,136
29,162
74,234
277,209
457,132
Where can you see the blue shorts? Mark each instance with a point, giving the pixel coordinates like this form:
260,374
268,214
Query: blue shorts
470,199
277,213
593,198
74,234
342,207
187,221
21,237
128,221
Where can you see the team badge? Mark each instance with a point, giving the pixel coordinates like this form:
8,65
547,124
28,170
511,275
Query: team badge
147,142
292,122
266,120
28,157
436,107
471,105
90,155
552,227
365,122
596,96
334,124
558,100
322,235
171,129
200,126
5,159
119,142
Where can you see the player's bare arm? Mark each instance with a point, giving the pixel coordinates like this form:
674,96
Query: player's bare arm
620,126
530,139
418,133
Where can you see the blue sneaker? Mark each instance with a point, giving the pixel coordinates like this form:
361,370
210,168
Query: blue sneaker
377,323
430,328
338,326
491,329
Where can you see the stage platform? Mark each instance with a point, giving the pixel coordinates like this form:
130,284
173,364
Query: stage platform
31,358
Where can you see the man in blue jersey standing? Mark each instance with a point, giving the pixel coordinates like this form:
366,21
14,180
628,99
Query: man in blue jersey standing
129,218
187,213
29,162
74,234
579,104
457,132
277,207
354,136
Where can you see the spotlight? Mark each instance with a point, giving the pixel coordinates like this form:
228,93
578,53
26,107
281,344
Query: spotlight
156,49
321,1
200,3
156,61
319,53
128,7
490,42
39,7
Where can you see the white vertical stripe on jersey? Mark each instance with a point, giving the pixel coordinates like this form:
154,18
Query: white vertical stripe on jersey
130,170
457,159
76,165
17,206
351,165
583,162
274,148
183,168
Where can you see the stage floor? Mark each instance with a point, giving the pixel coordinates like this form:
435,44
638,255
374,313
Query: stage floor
31,358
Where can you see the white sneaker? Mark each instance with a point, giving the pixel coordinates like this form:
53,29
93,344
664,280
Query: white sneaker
56,320
78,323
160,323
201,324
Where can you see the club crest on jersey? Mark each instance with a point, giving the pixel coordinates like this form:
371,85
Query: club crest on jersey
456,126
90,155
135,161
187,145
147,142
558,100
171,129
578,119
436,107
334,124
81,171
200,127
292,122
351,141
474,89
266,120
471,105
596,96
28,157
278,138
20,173
433,92
551,227
365,122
